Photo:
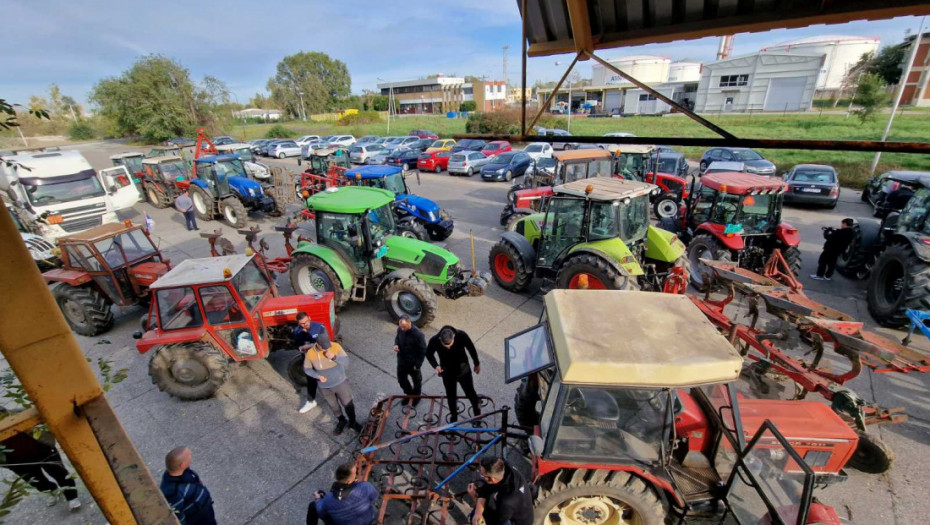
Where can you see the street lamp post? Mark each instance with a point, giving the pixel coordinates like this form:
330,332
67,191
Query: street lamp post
303,111
390,103
573,76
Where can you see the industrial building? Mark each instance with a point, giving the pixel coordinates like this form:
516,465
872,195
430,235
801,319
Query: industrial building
840,54
442,94
916,90
759,82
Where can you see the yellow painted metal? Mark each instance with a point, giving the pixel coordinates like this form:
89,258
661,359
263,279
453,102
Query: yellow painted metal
39,347
21,422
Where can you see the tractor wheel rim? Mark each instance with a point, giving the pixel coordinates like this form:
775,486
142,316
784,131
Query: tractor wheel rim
595,510
594,283
893,279
407,303
153,197
408,234
189,371
199,204
666,208
503,265
73,311
230,214
315,280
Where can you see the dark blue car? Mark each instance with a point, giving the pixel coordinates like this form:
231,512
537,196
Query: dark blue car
752,161
506,166
468,144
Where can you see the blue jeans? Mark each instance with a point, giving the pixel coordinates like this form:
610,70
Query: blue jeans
190,218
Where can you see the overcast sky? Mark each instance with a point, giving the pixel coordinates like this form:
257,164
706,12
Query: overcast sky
75,44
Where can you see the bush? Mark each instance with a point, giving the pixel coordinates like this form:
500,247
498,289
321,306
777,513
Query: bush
80,131
280,132
468,105
362,117
495,122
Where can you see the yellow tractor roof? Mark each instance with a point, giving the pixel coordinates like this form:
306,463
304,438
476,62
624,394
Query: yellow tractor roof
636,339
618,149
605,188
159,160
100,232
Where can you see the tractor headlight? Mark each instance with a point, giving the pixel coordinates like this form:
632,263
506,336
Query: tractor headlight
413,208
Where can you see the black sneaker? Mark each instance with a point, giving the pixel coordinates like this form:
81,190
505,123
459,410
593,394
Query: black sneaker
355,426
340,426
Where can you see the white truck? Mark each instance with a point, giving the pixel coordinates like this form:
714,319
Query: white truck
62,193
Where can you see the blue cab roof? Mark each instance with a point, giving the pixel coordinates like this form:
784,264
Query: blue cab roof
372,172
217,158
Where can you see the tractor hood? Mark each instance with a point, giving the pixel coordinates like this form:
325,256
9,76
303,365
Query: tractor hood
416,203
245,186
429,261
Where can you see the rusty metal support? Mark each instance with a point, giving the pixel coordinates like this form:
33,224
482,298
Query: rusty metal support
555,90
42,352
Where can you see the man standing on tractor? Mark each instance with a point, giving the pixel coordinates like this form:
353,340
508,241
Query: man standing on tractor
837,242
328,366
453,368
306,334
185,205
504,498
410,347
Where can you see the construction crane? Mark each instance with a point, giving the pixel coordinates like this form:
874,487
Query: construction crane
726,47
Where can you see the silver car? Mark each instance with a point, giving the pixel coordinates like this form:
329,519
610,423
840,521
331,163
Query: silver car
283,149
467,162
381,156
361,154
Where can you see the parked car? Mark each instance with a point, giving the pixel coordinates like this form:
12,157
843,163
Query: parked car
561,133
496,147
441,145
423,134
537,150
467,162
421,145
255,145
616,149
506,166
222,140
718,167
182,142
405,158
754,162
306,139
369,139
544,166
266,147
283,149
342,140
392,142
361,153
813,184
434,160
468,144
381,156
672,163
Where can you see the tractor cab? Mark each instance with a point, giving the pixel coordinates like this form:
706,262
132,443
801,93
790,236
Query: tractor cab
216,170
914,218
241,150
633,161
321,160
133,163
634,414
389,178
665,170
165,151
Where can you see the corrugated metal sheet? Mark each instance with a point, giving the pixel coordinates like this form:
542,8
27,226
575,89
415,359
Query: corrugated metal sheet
617,23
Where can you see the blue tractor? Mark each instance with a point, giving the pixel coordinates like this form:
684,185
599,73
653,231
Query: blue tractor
221,187
416,216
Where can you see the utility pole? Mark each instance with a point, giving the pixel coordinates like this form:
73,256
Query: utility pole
897,98
303,110
73,117
390,103
506,66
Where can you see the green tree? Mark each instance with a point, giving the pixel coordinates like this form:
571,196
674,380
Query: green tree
871,95
260,101
887,64
156,99
468,105
321,80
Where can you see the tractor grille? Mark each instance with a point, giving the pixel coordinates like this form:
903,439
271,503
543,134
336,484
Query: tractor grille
39,245
84,223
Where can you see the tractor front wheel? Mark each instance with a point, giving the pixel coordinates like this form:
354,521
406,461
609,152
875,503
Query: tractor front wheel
512,221
156,198
872,455
311,275
597,497
203,203
508,268
86,310
793,258
188,371
412,229
411,297
705,246
234,212
900,281
599,274
666,207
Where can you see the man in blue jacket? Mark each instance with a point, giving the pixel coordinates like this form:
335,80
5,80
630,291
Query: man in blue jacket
349,502
188,497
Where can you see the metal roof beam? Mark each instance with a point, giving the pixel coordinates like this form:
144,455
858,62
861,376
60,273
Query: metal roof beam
580,21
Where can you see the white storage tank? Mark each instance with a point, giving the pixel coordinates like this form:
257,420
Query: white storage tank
841,53
684,72
645,68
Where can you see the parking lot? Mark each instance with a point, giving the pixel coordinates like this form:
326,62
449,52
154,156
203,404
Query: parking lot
262,460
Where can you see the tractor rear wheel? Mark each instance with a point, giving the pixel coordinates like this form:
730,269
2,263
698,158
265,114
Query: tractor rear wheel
865,195
508,268
86,310
512,221
704,246
666,206
900,281
412,229
310,275
188,371
856,262
203,203
872,455
793,258
234,212
597,497
411,297
600,274
295,371
156,198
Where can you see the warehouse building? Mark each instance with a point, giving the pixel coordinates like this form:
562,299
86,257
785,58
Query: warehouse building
441,94
759,82
840,54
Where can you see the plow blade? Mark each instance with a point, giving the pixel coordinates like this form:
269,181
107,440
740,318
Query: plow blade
877,352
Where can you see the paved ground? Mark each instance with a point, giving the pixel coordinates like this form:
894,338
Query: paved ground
262,460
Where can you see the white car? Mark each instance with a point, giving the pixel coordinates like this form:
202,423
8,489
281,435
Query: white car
361,154
342,140
615,148
722,166
468,162
306,139
538,150
284,149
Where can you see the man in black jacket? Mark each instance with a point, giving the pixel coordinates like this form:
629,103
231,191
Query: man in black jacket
451,345
836,244
410,347
504,498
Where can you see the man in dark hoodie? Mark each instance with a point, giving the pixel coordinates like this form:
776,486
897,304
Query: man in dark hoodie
452,345
187,495
349,502
836,243
504,498
410,347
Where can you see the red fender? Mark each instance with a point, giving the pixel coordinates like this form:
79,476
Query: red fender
732,241
787,234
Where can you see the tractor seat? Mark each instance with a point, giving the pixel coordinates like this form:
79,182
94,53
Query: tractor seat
595,404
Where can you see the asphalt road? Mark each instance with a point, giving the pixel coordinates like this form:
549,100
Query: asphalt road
262,460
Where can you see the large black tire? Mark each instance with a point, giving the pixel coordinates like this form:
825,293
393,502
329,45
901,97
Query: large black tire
872,455
280,207
309,274
793,258
507,267
412,229
295,371
666,206
156,198
234,212
524,405
188,371
900,281
601,274
864,196
203,203
856,262
411,297
583,496
86,310
513,219
704,246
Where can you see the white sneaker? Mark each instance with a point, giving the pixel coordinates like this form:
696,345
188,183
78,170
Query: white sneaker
52,500
816,277
74,505
308,406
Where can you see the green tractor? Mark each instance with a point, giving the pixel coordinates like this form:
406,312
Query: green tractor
357,254
592,233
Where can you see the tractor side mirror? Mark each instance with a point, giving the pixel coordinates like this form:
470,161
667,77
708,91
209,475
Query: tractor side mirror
137,335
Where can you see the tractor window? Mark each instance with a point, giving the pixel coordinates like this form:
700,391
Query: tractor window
631,166
527,352
575,171
634,219
109,249
251,284
80,255
600,168
562,228
178,308
726,208
612,424
381,223
758,213
913,216
219,305
135,245
172,171
604,223
344,233
395,183
703,204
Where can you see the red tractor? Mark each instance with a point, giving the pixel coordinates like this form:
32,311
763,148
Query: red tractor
209,312
667,170
733,216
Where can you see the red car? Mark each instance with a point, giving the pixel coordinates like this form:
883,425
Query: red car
434,161
423,134
496,147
